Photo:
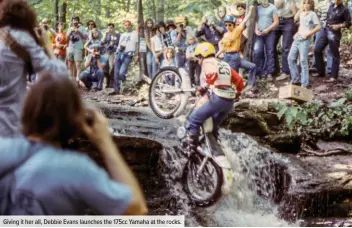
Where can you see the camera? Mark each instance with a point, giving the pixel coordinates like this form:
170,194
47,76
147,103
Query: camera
122,48
46,27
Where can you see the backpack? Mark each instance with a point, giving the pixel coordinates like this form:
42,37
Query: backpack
7,180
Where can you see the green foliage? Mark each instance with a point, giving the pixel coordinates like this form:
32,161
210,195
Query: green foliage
334,119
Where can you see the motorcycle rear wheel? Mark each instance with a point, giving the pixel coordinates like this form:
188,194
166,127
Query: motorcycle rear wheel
210,178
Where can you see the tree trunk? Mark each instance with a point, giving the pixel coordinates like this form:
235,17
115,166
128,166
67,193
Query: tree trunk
153,9
160,12
63,12
128,5
56,13
250,31
142,55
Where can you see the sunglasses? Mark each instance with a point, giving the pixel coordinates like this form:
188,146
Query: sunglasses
228,25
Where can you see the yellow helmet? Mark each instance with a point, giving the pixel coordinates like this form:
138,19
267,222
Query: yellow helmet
205,49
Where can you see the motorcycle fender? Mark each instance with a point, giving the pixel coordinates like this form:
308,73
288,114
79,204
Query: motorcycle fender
185,84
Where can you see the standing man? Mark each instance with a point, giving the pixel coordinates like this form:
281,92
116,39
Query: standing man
213,33
179,40
231,44
110,42
126,50
338,17
263,50
76,34
286,10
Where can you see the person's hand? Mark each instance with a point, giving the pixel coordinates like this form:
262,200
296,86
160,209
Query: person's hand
43,38
157,60
335,27
295,36
95,127
264,32
238,97
201,91
75,29
305,36
258,33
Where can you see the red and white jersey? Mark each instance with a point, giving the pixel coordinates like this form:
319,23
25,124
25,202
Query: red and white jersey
219,74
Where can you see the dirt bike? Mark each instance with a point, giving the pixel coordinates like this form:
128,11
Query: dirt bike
207,174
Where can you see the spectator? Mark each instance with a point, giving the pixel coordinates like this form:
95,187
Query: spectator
179,40
50,31
92,25
93,76
76,34
322,14
157,49
18,20
169,60
212,32
263,50
231,44
125,52
166,35
220,14
40,176
338,17
149,25
93,41
308,26
193,65
170,27
286,10
60,43
110,42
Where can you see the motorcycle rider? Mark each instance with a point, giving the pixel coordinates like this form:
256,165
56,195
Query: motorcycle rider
217,80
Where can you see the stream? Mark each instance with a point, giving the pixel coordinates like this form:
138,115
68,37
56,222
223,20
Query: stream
267,187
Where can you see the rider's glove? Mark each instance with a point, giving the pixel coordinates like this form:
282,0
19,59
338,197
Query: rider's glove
201,90
238,97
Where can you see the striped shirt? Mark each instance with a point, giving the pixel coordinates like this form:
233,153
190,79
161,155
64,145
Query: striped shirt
322,11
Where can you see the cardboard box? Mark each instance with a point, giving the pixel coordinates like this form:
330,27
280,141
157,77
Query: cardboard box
296,93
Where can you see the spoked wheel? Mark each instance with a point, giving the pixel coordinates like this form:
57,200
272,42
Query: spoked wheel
164,93
203,188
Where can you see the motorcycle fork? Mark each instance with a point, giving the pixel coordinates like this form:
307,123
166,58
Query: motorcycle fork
206,158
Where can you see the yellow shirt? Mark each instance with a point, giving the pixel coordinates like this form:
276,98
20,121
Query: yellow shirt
232,40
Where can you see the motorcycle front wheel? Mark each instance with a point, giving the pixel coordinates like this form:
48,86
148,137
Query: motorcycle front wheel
203,188
163,99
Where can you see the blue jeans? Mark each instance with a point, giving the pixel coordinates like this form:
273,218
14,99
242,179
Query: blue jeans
235,61
218,108
180,59
327,52
150,63
92,78
299,47
122,61
263,54
155,65
286,29
331,38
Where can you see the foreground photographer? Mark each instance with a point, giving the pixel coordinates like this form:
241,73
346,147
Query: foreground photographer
38,176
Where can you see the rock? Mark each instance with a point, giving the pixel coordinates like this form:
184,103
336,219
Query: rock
321,88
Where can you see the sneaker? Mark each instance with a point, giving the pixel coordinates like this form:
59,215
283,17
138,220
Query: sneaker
269,78
283,76
330,80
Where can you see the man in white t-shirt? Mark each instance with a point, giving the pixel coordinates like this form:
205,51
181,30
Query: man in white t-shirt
125,52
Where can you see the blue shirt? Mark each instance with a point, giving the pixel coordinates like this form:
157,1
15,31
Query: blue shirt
111,42
179,44
57,182
94,64
212,35
265,16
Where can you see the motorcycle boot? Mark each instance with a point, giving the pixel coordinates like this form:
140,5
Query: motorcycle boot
193,143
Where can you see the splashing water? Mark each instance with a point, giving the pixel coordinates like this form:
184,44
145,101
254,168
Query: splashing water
253,174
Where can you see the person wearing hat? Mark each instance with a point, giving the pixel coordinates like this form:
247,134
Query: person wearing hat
217,91
50,31
179,40
170,27
231,46
125,52
93,76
